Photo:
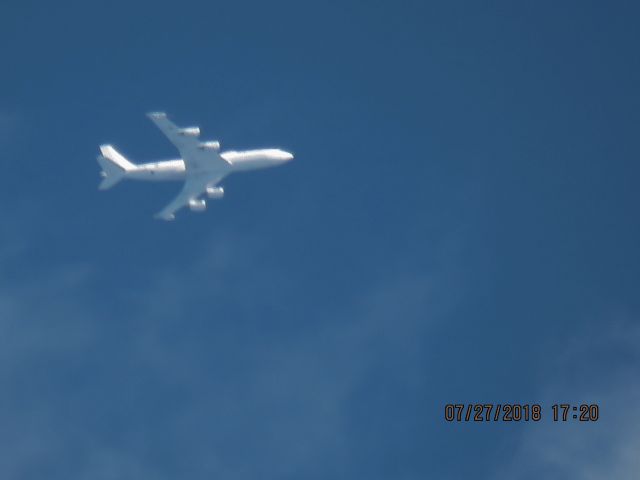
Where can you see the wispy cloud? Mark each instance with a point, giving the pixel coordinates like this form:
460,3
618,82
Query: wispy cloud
292,393
222,393
601,367
44,331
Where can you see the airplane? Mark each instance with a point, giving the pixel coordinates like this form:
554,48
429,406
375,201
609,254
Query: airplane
202,166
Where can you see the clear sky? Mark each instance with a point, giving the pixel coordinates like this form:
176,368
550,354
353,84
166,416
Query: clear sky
460,225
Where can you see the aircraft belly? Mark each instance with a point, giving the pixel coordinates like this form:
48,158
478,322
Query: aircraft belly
157,175
171,175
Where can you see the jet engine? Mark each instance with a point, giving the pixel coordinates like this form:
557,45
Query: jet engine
213,146
189,131
215,192
197,205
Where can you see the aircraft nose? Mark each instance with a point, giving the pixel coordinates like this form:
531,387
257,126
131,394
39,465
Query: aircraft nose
286,156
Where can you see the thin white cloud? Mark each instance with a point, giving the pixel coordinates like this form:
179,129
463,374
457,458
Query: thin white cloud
601,367
280,401
293,392
43,325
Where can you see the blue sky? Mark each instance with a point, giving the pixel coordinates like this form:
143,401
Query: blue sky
459,225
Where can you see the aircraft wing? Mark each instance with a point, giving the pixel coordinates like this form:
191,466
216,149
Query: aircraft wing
196,155
194,186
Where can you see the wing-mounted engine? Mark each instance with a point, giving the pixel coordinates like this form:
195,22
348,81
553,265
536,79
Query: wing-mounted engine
197,205
189,131
212,146
215,192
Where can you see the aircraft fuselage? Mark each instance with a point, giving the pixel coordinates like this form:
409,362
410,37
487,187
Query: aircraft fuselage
235,162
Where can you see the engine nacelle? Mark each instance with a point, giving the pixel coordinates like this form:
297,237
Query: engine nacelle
189,131
213,146
215,192
197,205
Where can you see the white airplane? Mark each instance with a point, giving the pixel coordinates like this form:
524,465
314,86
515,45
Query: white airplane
202,166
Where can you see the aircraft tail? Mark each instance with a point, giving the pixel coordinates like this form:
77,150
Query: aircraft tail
114,166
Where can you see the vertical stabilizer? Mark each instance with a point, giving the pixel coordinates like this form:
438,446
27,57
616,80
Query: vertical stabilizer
114,166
